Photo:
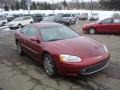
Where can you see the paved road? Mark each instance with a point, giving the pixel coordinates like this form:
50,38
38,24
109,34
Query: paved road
23,73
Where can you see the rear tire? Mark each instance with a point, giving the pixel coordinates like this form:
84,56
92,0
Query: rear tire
91,31
49,65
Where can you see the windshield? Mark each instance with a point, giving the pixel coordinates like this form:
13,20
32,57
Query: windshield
57,33
83,14
95,14
66,15
48,19
18,19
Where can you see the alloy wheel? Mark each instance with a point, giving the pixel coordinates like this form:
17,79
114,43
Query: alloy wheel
49,65
19,50
92,31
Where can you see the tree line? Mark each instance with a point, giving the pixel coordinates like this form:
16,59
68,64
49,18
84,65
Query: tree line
110,4
102,4
34,5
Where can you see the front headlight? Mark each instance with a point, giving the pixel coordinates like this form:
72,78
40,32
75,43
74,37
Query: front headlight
69,58
106,50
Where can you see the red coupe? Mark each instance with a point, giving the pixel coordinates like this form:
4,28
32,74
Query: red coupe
61,50
109,25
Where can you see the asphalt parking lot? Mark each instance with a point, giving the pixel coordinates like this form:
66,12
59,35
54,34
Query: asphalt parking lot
23,73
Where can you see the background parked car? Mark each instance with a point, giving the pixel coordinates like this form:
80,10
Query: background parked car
116,15
94,16
51,14
19,22
37,17
59,18
69,19
83,16
3,21
49,19
109,25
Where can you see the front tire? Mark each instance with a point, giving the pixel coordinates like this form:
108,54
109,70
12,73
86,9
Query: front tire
91,31
49,65
19,26
19,49
70,22
3,24
31,22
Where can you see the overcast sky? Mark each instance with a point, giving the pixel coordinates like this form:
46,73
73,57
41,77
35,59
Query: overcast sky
62,0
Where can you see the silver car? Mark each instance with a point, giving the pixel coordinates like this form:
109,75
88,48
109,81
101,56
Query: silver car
3,21
69,19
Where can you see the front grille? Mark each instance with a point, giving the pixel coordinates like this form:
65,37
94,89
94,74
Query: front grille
94,68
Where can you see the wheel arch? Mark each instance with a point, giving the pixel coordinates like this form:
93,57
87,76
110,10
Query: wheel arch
47,52
43,53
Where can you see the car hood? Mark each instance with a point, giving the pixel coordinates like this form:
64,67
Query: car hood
92,23
45,21
13,22
81,46
66,17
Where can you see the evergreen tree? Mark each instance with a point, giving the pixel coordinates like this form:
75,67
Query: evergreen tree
110,4
17,5
12,7
34,6
6,8
38,5
64,3
23,4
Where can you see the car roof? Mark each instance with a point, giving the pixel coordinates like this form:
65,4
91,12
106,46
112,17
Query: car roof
45,25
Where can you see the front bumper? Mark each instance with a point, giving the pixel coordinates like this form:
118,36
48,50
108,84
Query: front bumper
12,25
94,68
86,67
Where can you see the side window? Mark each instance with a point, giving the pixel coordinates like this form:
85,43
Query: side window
25,18
107,21
31,32
73,15
116,21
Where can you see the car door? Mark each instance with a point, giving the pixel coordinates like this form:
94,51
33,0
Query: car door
73,17
23,39
26,21
33,42
116,25
105,25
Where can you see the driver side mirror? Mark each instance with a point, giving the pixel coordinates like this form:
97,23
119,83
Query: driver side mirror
35,39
